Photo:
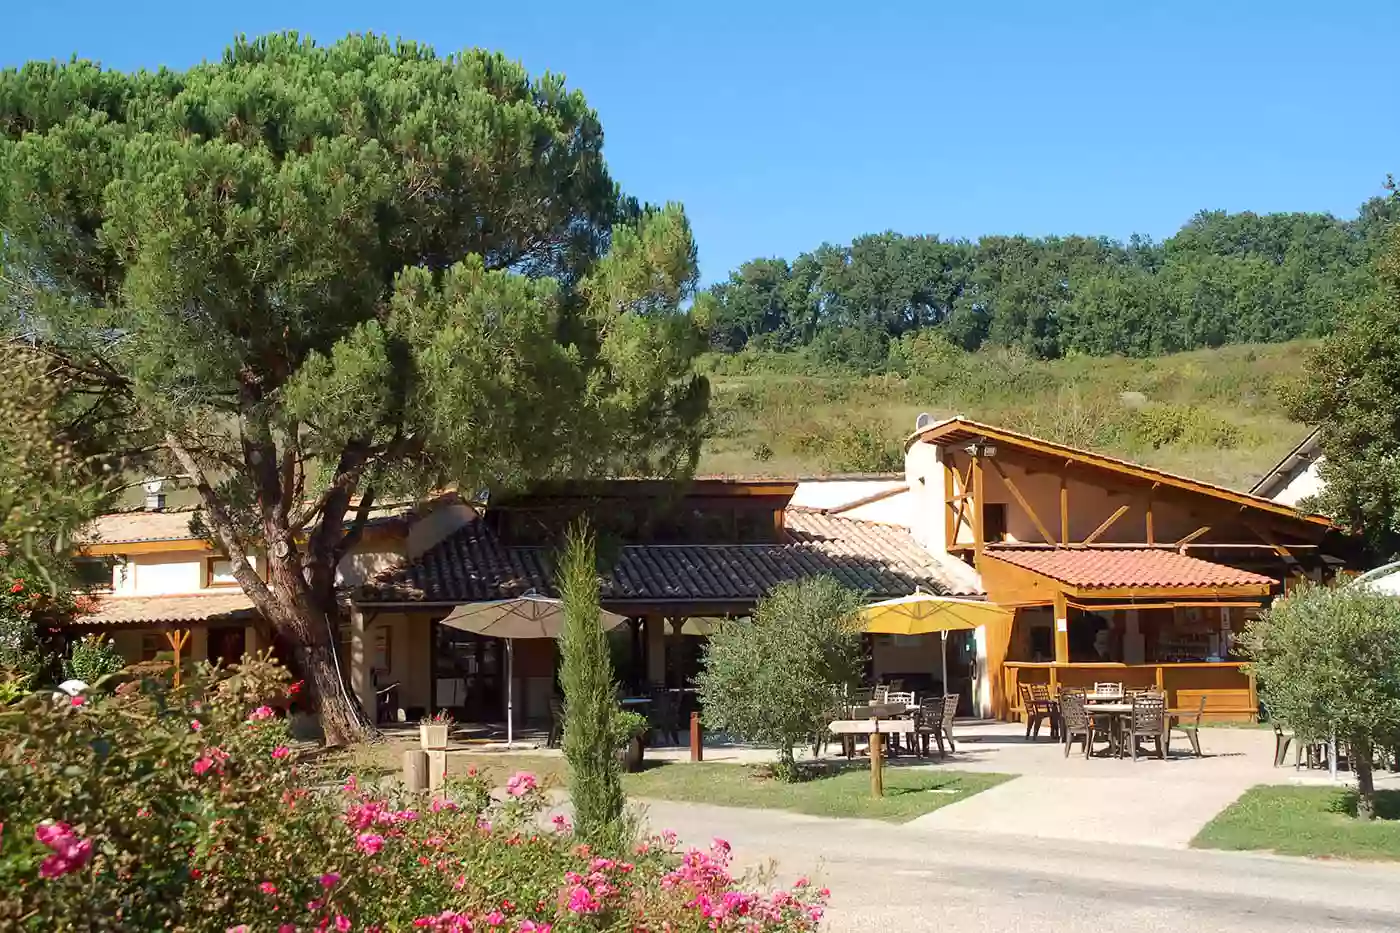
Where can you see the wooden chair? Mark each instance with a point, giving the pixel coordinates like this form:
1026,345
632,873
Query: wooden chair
1191,729
1075,722
1148,720
928,726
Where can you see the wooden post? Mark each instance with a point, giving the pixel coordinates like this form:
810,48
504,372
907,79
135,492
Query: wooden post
1061,629
1253,697
697,738
177,639
415,769
877,764
1064,510
977,499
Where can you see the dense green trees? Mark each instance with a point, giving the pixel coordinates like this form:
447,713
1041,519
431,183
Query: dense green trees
321,276
1223,278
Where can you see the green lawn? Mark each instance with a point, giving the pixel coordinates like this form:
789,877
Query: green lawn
845,792
1312,821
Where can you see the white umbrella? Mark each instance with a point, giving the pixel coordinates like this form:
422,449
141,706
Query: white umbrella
528,616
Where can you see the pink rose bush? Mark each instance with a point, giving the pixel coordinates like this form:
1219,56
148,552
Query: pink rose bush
127,811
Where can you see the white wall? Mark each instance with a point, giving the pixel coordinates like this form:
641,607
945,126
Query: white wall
924,504
1305,484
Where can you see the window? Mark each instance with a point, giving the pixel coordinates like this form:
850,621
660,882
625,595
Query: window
94,574
219,572
152,644
994,521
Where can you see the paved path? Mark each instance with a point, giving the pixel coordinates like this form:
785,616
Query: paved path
912,879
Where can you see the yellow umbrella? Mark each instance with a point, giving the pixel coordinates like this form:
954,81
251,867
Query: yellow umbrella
925,613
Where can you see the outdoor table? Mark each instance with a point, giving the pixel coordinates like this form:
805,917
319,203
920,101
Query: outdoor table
634,701
1116,711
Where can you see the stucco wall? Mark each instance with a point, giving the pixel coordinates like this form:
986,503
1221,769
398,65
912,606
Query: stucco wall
1305,484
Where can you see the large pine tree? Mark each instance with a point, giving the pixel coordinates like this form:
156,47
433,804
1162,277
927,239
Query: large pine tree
323,275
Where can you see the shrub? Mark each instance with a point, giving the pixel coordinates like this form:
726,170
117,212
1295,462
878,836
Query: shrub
186,808
770,680
590,696
1328,664
92,658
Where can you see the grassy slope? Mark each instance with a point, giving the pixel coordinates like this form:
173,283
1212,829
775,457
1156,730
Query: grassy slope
1313,821
1213,414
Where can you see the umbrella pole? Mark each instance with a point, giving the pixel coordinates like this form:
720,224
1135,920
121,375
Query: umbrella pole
510,692
945,661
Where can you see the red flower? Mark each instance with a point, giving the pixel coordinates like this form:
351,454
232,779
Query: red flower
17,587
295,688
75,701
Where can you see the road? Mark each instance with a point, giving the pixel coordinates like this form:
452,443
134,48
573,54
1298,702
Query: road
908,879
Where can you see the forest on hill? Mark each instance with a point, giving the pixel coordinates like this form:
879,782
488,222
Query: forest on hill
1222,279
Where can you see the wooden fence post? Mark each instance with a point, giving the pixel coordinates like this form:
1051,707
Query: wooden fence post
415,769
877,764
697,738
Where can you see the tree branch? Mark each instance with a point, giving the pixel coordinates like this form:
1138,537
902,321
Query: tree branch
356,530
223,528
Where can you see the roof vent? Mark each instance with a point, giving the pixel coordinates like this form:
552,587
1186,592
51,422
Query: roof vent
923,421
155,499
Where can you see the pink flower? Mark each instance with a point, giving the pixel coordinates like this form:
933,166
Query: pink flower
268,887
520,784
495,918
802,882
241,928
196,725
530,926
203,764
342,923
52,832
69,853
369,843
561,823
582,901
439,804
261,713
287,928
330,879
281,751
75,701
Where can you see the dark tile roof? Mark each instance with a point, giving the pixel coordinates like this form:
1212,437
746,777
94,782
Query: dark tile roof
880,561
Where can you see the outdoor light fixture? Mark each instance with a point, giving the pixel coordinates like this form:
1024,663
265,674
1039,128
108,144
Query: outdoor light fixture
980,448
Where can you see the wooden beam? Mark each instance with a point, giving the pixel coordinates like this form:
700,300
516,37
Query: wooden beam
1107,523
1181,545
1021,500
1151,537
868,500
1064,509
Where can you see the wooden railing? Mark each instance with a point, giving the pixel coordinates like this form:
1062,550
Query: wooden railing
1229,690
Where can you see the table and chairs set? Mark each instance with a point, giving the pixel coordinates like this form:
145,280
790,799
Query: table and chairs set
930,719
1122,718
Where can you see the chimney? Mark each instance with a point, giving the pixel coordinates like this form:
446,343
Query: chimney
155,498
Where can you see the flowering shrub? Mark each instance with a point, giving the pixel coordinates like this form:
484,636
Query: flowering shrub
188,807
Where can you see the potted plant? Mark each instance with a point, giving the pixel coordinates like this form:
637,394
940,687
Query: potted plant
432,732
628,731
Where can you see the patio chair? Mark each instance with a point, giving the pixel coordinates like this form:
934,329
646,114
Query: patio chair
1191,729
1281,742
928,725
1039,708
661,716
1075,722
880,692
895,698
1148,720
837,709
862,697
1108,689
950,709
556,722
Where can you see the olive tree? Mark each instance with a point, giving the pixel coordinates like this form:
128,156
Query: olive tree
1328,664
770,679
323,277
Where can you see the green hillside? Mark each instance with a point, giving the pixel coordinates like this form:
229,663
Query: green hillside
1213,414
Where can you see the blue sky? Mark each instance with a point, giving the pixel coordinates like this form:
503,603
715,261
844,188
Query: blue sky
781,124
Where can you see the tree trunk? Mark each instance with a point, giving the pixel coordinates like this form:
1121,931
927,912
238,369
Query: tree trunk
1365,786
313,631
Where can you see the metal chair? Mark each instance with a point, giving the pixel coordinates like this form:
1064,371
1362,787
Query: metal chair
894,698
950,709
1148,720
556,722
662,718
1035,698
880,692
1192,730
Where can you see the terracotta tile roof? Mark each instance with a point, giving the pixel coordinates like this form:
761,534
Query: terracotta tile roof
1124,567
158,610
879,560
